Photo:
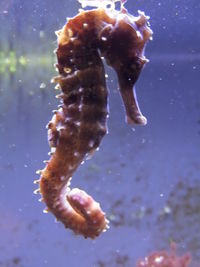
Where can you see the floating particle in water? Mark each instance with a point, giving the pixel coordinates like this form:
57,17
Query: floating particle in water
43,85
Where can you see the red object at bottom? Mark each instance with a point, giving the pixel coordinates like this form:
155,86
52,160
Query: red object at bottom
165,259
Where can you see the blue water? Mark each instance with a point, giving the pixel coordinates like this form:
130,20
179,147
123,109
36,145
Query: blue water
146,178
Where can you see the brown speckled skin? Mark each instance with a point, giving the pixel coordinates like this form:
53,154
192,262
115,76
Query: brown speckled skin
78,126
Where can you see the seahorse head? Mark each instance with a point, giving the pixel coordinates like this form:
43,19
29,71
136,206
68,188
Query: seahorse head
122,41
122,44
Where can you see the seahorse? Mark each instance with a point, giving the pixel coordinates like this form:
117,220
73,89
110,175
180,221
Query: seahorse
79,124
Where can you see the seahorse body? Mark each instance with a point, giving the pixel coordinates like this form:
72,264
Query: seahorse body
79,124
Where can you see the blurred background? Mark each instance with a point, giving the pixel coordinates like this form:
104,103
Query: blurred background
147,179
